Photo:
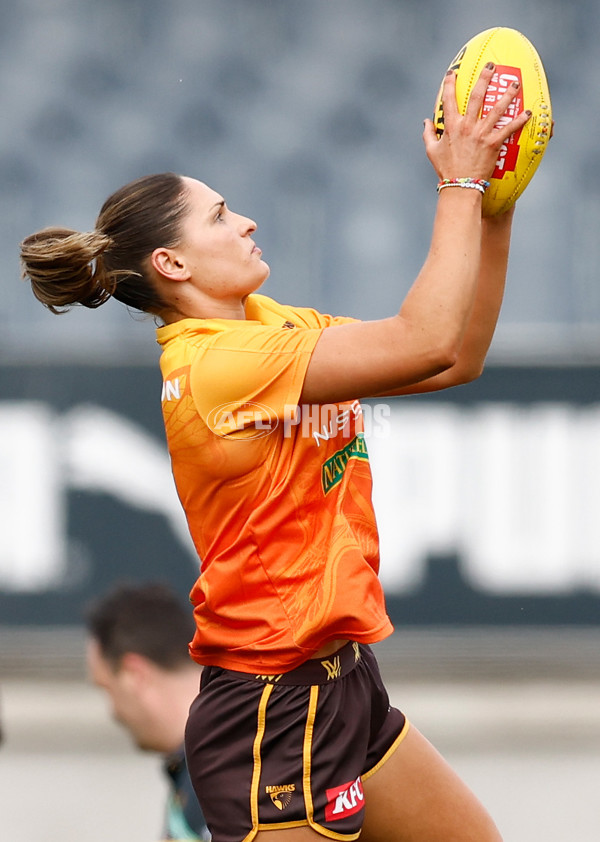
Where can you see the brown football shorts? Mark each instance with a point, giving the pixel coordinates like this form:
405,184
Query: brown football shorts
281,751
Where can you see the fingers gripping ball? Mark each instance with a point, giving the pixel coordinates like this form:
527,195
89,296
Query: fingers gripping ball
515,59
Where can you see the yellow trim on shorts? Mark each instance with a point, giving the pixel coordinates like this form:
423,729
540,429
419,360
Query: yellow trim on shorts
330,834
390,751
256,770
307,755
282,825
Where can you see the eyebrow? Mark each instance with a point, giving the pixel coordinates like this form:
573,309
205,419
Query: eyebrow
220,204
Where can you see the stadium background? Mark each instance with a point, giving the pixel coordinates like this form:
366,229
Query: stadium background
306,115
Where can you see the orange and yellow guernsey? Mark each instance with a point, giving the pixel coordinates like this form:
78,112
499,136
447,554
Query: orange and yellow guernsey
277,496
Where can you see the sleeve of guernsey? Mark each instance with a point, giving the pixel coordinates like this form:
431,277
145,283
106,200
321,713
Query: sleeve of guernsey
299,316
251,376
308,316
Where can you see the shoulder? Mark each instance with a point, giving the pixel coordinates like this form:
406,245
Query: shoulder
270,312
266,310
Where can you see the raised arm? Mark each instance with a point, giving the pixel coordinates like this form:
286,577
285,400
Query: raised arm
435,323
495,243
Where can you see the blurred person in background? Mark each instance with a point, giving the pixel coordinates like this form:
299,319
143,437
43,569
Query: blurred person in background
137,653
292,732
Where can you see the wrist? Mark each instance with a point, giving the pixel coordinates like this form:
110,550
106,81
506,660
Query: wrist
500,219
478,184
461,198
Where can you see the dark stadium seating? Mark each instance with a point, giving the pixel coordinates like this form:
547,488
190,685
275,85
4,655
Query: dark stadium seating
307,117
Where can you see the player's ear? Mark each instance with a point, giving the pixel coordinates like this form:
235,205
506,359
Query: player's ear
136,667
169,264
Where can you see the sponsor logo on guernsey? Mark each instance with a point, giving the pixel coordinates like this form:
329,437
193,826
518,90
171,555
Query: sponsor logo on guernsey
333,468
340,423
333,667
171,390
281,796
288,324
176,385
344,800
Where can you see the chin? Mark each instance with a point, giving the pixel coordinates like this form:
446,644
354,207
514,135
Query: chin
259,283
145,744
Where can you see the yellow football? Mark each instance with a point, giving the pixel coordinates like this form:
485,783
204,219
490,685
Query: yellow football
516,59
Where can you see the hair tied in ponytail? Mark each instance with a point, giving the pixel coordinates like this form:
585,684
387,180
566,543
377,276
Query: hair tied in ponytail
65,267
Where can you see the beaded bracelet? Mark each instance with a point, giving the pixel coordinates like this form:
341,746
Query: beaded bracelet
474,183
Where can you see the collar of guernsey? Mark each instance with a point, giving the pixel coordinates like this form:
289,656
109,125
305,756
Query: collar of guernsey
279,509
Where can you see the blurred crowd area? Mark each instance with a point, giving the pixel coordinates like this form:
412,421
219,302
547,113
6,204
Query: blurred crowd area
307,116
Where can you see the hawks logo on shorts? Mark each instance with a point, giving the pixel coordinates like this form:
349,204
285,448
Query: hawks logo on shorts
281,795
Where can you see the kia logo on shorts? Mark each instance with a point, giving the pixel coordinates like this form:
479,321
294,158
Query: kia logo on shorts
255,419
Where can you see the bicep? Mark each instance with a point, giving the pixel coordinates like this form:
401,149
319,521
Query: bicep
366,359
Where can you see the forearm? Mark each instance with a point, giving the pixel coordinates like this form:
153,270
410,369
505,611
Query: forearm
495,243
441,301
491,276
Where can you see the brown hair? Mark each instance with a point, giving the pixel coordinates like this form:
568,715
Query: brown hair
149,619
69,267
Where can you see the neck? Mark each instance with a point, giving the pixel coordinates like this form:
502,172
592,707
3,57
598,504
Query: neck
180,689
212,310
220,310
186,301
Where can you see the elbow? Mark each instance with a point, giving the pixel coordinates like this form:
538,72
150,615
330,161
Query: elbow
446,357
471,374
466,373
460,366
